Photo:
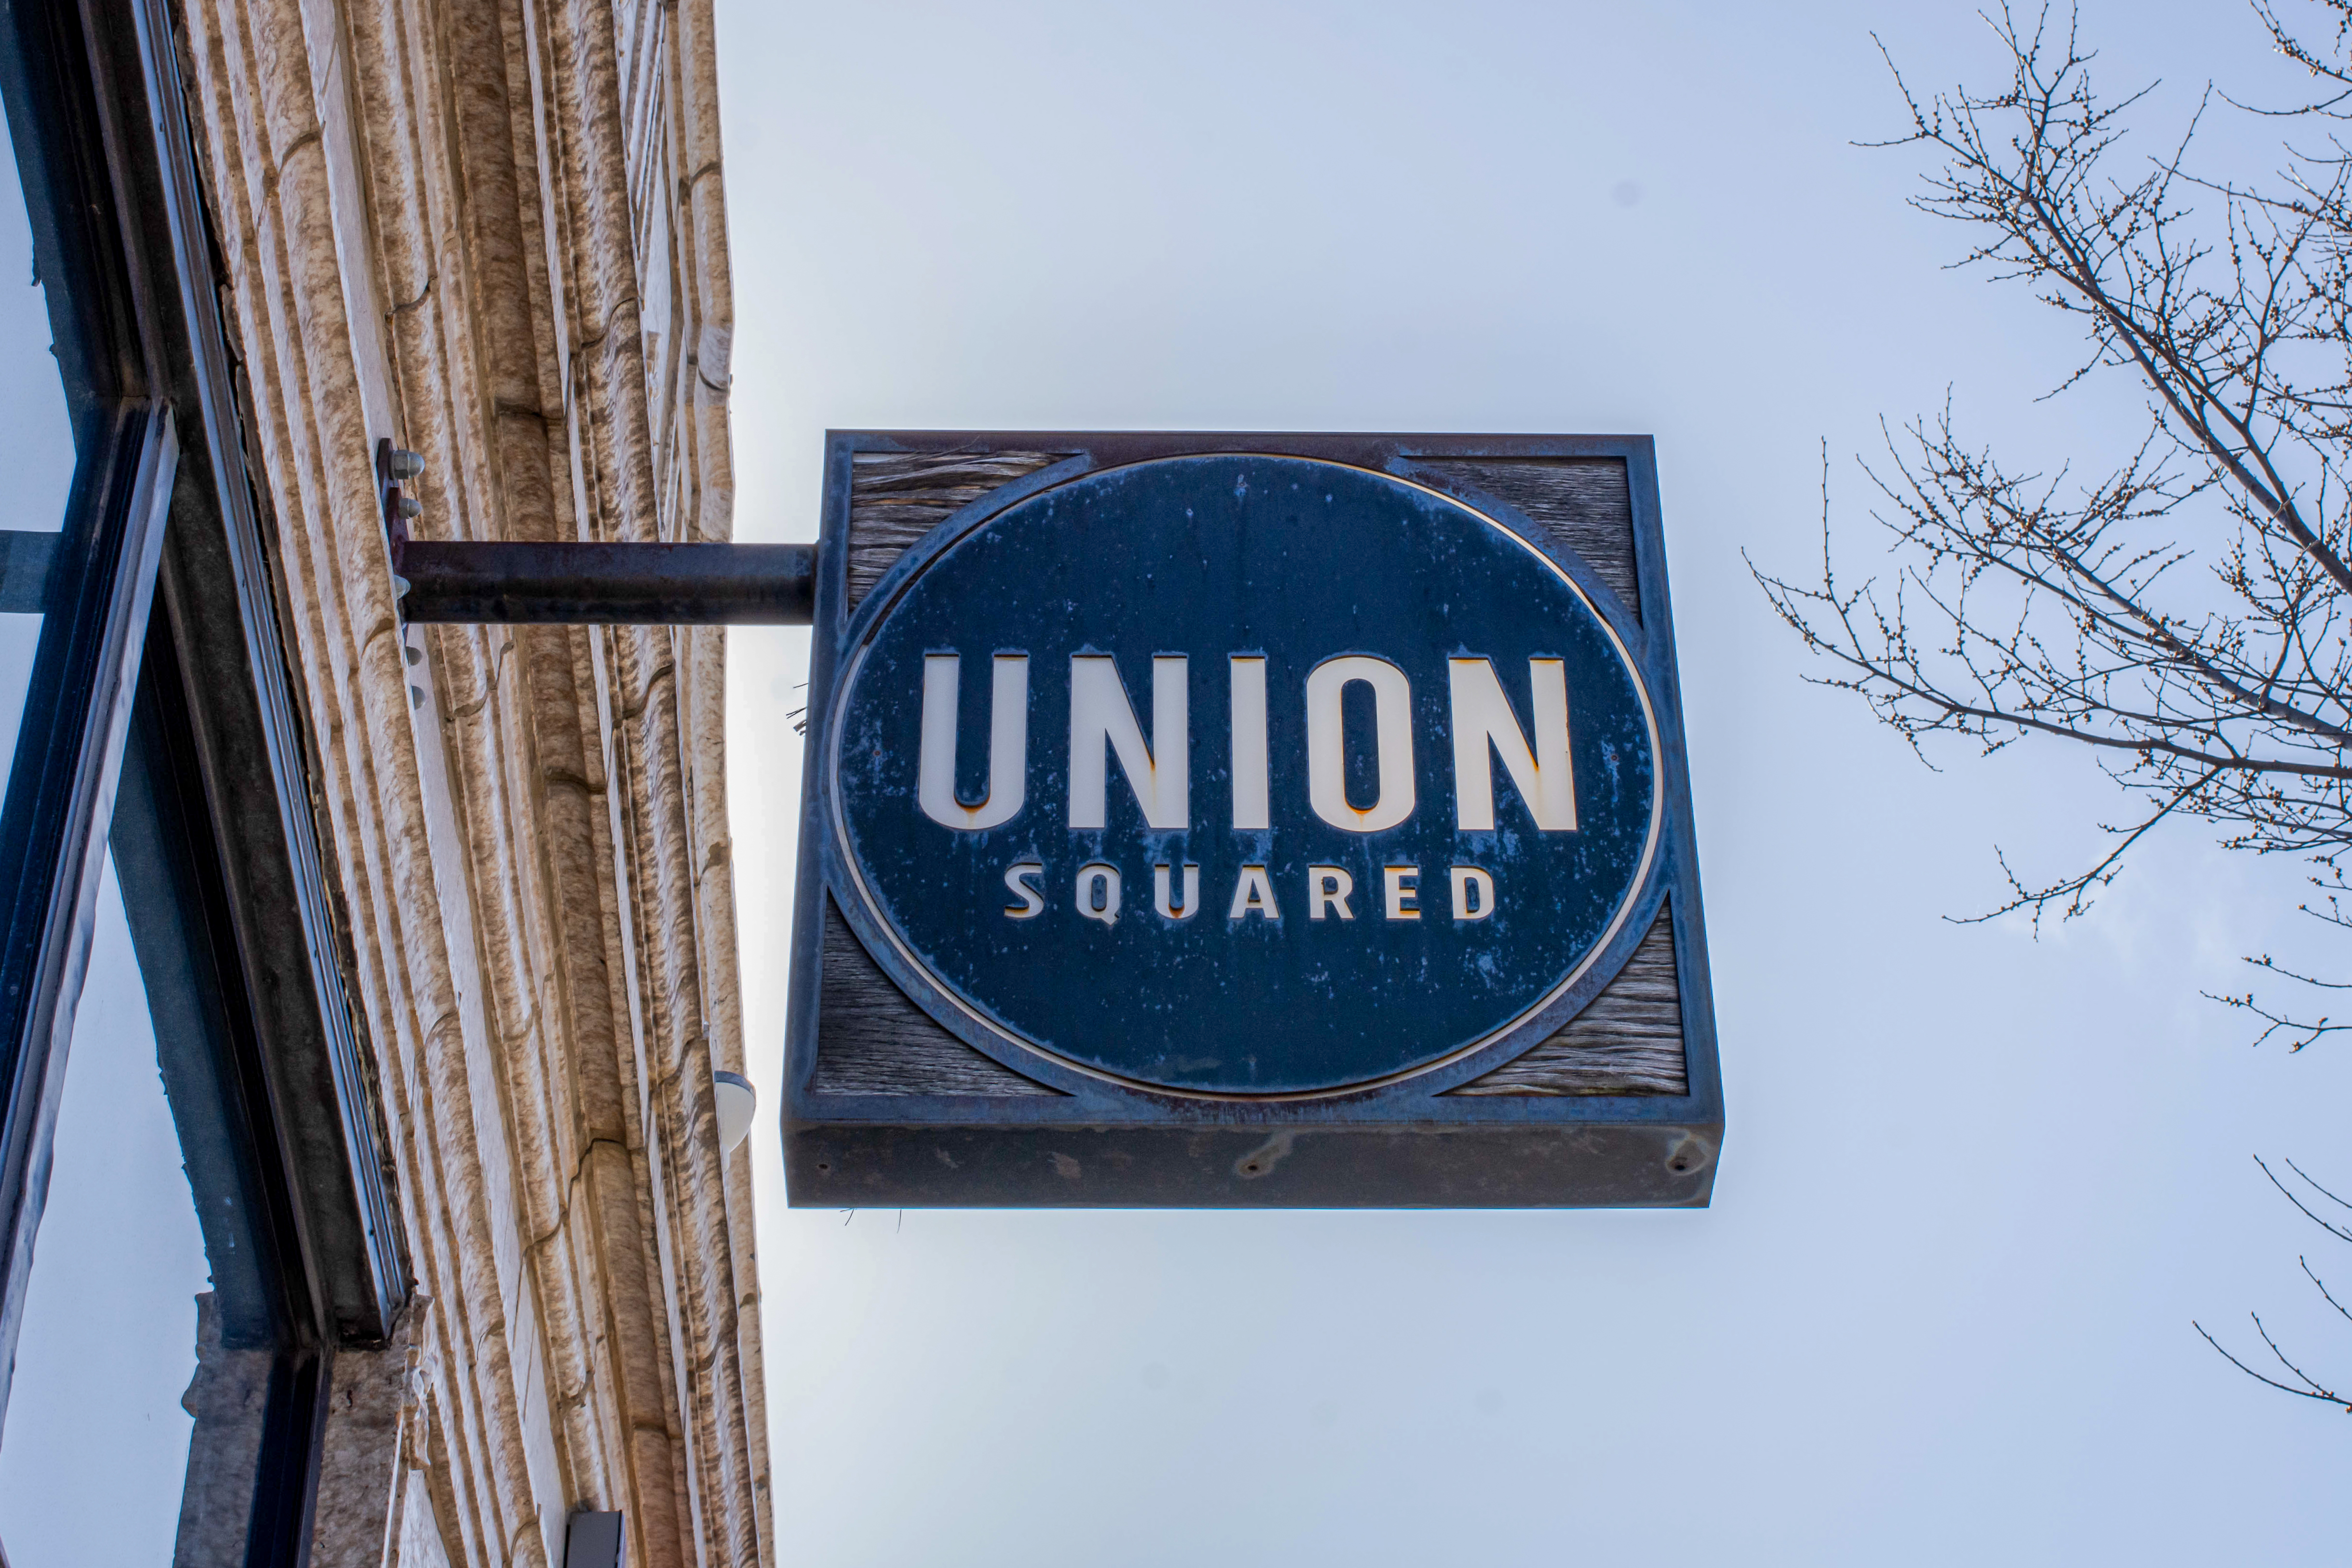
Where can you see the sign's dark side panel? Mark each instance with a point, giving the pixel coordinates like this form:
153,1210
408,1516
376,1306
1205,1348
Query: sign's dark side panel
1246,820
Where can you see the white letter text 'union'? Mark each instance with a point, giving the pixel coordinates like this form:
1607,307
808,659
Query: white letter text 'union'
1485,727
1326,742
1008,744
1250,812
1102,720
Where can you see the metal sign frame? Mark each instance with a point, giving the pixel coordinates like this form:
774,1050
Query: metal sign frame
1079,1140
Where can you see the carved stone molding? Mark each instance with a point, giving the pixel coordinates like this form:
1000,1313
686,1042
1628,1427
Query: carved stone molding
494,231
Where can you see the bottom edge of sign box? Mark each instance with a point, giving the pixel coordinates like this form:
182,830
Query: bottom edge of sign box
1591,1167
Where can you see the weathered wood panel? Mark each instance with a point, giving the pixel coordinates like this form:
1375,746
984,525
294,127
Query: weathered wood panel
872,1040
1583,502
895,498
1629,1040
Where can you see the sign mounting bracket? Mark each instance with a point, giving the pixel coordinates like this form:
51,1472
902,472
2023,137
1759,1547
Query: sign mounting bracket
606,584
483,583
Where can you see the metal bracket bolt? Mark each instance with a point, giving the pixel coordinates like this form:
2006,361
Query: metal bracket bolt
393,466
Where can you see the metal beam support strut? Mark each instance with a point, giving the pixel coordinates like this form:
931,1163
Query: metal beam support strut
607,585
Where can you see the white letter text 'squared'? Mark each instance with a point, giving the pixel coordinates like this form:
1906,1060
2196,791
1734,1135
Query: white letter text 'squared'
1474,893
1098,892
1253,895
1327,888
1163,898
1017,878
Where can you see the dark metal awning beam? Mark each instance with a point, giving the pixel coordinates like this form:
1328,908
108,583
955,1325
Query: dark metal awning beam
607,585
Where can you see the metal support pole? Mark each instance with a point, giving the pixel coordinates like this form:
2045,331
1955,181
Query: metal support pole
607,585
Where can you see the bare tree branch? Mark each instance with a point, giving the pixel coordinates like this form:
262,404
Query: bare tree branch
2336,1231
2313,1391
2184,613
2304,1385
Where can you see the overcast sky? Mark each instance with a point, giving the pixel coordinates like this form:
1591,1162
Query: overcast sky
1974,1187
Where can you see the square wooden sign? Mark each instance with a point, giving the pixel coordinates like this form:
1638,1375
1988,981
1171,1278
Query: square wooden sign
1246,820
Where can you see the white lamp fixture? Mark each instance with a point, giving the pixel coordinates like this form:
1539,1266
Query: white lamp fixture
737,1101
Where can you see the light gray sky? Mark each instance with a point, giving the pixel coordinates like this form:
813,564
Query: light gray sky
97,1440
1975,1186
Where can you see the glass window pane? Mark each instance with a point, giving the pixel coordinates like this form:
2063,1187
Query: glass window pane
36,448
95,1447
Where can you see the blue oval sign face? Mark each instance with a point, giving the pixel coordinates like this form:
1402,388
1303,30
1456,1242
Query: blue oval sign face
1243,775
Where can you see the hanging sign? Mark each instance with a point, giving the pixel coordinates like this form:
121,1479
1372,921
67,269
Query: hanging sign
1249,820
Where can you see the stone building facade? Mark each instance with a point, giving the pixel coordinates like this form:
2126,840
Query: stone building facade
495,234
492,233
